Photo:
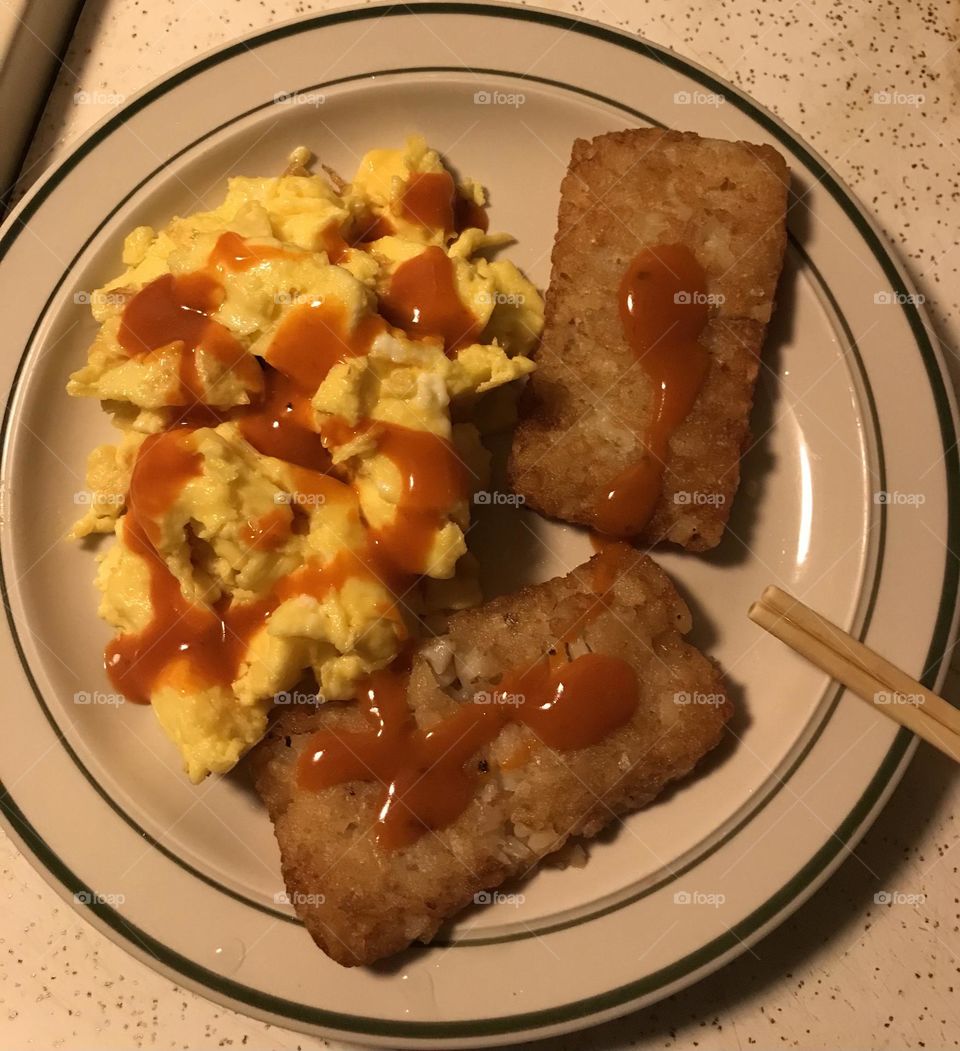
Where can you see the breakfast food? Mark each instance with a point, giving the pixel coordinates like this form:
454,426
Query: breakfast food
539,716
666,258
301,378
283,371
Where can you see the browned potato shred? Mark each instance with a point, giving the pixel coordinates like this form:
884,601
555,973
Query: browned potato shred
362,903
588,405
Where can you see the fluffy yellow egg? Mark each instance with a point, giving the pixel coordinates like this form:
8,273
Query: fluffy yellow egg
252,334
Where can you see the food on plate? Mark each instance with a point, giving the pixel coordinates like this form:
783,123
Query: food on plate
539,716
293,375
664,267
301,379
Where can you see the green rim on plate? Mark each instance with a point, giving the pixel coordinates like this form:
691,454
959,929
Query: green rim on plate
696,857
144,944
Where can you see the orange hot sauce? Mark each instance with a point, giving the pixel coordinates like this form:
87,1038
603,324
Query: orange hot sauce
423,301
663,309
425,778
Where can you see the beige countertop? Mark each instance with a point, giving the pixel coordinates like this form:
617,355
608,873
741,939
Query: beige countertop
844,971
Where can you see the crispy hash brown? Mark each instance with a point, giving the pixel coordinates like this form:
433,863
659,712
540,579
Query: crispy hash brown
589,403
361,902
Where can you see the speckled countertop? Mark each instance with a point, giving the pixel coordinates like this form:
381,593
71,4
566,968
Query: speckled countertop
843,972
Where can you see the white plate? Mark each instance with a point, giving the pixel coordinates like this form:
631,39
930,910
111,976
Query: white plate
852,402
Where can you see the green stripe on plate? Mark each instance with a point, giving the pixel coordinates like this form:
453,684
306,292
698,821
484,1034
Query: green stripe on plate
532,931
144,944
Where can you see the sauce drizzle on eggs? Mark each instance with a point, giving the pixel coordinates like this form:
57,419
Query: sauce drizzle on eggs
195,645
430,200
175,310
422,300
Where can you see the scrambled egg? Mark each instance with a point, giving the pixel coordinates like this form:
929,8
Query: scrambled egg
237,531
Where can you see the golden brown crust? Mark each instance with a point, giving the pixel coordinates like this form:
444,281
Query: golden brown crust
361,903
586,408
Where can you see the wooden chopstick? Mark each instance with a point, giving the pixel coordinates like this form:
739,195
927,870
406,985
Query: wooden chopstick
887,687
869,660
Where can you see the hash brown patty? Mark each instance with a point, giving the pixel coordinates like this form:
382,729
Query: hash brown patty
587,407
360,902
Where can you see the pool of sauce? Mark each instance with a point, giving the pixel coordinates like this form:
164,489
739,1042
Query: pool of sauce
233,252
430,200
176,309
422,300
421,297
280,424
